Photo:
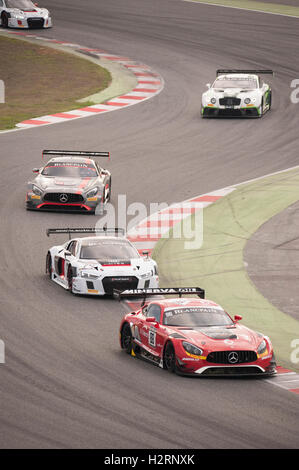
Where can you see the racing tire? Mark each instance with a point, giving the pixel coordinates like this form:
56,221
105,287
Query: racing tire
126,338
4,19
261,109
169,359
49,265
108,198
70,279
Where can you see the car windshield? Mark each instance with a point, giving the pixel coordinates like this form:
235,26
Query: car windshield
108,251
21,4
196,317
246,83
70,170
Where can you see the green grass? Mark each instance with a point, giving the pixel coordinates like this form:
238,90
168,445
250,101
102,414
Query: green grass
255,5
218,266
40,80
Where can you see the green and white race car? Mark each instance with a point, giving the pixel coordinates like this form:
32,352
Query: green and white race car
237,93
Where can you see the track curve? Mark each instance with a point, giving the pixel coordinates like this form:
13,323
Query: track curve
65,382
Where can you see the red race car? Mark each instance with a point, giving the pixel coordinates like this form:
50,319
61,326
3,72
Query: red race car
192,336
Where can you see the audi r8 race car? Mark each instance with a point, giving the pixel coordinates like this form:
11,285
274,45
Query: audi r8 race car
23,14
192,336
96,265
71,181
237,93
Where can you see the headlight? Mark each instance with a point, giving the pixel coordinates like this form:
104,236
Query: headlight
148,274
18,14
93,192
89,275
191,349
213,100
247,100
262,347
36,190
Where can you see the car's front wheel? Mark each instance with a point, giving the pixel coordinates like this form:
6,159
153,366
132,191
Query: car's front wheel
4,20
126,338
70,279
49,265
169,360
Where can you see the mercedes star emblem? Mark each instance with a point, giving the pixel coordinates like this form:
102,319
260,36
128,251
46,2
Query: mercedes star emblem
63,197
233,357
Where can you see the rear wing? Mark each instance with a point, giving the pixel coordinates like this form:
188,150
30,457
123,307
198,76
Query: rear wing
144,293
74,153
257,72
83,230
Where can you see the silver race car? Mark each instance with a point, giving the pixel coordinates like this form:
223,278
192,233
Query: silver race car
237,93
23,14
99,264
70,181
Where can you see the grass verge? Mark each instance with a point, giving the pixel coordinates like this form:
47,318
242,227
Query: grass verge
218,265
277,8
40,80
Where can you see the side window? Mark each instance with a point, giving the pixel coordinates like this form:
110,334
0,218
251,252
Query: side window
71,246
154,310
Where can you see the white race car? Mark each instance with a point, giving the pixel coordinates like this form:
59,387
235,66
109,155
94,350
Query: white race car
237,93
23,14
99,264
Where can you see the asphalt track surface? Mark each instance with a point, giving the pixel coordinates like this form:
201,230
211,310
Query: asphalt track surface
65,382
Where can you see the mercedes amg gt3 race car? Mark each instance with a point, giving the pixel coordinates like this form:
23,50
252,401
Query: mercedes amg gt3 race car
71,181
23,14
237,93
98,264
192,336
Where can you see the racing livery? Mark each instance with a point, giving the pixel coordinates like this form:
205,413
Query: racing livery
192,336
23,14
71,181
237,93
98,264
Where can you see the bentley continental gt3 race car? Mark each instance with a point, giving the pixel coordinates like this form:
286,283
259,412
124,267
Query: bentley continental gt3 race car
98,264
237,93
192,336
23,14
70,181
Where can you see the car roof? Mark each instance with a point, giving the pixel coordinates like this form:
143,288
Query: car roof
71,160
100,238
238,75
184,303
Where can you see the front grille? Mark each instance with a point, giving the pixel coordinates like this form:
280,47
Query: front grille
119,283
229,101
63,198
35,23
249,370
240,357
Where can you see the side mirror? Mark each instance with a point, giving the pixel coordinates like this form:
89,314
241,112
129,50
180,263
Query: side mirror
67,254
237,318
145,253
208,85
151,320
35,170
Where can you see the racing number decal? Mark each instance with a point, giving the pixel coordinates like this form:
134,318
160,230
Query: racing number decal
152,338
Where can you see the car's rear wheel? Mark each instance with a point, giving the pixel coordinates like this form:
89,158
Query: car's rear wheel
126,338
169,360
